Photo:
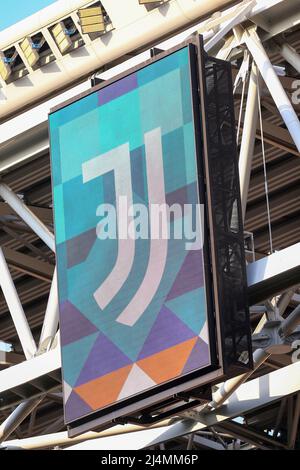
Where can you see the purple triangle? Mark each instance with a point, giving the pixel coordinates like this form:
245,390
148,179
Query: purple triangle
73,325
198,358
78,248
76,407
190,276
105,357
167,331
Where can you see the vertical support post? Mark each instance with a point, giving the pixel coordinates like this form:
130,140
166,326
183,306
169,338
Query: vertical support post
51,316
190,442
294,425
16,309
273,83
279,416
248,137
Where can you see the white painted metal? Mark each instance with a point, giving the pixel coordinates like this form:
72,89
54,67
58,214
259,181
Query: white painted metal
29,218
289,325
50,324
290,55
248,137
149,27
39,20
140,28
272,81
231,385
294,425
283,16
36,115
16,309
32,369
240,15
284,301
62,438
17,416
280,263
249,396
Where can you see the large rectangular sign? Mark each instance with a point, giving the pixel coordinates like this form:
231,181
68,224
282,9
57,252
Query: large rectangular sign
134,288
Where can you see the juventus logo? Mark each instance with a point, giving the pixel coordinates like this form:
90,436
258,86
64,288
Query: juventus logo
118,161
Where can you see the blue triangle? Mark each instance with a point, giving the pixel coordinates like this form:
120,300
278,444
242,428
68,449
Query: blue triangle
190,308
74,356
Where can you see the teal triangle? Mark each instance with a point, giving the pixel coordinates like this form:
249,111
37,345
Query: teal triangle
74,356
190,308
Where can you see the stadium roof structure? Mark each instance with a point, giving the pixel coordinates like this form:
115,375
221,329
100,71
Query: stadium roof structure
261,38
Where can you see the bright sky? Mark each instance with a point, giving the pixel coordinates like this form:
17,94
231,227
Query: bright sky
16,10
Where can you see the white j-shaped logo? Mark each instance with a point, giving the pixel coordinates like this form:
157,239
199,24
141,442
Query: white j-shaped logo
118,160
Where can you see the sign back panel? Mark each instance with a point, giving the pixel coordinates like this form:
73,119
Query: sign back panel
133,310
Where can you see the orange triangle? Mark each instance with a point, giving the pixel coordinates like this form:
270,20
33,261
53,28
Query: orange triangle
167,364
103,391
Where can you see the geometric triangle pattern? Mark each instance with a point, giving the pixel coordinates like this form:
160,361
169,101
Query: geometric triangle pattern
199,357
73,403
193,301
104,390
105,360
169,363
190,276
67,390
111,357
74,356
137,381
74,324
177,333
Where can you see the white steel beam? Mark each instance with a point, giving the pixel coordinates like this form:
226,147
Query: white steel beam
16,309
27,215
32,369
137,28
249,396
285,108
254,394
62,438
50,324
248,137
273,274
294,424
230,386
290,323
290,55
17,416
239,15
134,28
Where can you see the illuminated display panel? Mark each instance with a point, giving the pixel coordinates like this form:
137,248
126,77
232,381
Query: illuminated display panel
135,311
